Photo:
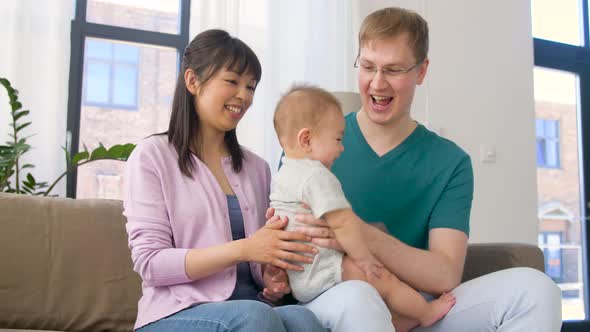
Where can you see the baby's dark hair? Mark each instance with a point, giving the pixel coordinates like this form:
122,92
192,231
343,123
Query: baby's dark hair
303,106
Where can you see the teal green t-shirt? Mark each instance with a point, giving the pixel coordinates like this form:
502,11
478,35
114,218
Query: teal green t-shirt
425,182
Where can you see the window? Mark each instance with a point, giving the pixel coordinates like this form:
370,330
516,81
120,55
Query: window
550,242
557,20
547,143
124,56
111,74
561,34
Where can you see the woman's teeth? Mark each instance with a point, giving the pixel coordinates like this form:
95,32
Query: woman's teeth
233,109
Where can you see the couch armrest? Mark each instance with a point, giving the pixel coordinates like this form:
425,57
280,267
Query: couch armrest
484,258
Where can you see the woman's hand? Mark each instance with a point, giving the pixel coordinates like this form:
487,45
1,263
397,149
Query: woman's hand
319,231
272,245
276,283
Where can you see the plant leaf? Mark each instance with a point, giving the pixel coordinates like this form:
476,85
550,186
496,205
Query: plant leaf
99,153
116,151
68,157
15,106
19,115
31,178
78,157
23,126
27,190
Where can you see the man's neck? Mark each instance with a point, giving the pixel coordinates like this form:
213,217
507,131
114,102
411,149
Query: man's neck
384,138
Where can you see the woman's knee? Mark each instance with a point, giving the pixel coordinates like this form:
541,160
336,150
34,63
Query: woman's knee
256,316
298,318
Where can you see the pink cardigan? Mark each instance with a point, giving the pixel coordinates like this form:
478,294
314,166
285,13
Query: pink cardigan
168,214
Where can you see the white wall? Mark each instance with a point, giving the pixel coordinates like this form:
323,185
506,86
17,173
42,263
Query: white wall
479,91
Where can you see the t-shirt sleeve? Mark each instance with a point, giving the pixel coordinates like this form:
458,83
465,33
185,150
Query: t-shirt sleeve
453,208
323,193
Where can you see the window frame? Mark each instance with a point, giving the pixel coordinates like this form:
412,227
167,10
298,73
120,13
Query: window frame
112,63
80,30
575,59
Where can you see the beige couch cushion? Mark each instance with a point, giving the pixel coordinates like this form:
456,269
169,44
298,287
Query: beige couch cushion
65,265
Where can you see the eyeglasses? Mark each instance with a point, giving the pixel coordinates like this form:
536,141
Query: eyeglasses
396,73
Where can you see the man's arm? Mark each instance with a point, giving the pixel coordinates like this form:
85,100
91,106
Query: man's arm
347,228
435,271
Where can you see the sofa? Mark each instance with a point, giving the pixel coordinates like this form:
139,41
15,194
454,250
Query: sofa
65,265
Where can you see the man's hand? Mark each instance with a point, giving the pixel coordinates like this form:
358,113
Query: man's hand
276,284
319,231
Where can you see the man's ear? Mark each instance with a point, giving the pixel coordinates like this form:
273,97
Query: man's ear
190,81
304,139
423,69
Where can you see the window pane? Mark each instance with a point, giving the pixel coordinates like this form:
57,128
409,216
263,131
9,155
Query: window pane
97,82
558,196
540,127
557,20
541,152
126,53
98,49
152,15
125,85
150,86
551,128
552,154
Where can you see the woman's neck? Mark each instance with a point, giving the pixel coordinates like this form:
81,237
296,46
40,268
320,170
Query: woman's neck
210,143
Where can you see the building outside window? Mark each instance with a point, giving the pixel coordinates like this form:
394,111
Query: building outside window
111,74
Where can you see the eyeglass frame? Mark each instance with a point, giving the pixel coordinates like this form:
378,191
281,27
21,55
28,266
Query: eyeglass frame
389,72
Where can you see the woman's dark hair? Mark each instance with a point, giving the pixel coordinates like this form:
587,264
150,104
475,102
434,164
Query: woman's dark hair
208,53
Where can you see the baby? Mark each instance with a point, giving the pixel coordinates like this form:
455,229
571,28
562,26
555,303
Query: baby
310,125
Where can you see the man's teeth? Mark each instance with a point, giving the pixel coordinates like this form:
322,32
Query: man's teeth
234,109
380,97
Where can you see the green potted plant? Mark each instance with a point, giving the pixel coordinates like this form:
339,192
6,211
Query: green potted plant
12,178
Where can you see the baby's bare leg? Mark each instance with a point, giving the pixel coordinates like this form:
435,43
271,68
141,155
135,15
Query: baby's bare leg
402,300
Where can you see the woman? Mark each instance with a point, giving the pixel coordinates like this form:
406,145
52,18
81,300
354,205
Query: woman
196,203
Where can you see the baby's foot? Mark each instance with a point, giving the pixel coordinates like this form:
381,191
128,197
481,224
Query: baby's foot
438,309
404,324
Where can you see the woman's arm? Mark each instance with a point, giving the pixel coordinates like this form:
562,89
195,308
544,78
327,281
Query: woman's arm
155,257
269,245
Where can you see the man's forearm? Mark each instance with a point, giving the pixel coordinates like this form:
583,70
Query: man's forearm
422,269
347,228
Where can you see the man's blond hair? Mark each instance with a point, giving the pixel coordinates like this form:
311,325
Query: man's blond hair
392,22
303,106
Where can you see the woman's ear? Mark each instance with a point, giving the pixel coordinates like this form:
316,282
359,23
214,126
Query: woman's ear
190,80
304,139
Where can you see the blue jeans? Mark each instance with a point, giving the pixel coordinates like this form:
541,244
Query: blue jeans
239,315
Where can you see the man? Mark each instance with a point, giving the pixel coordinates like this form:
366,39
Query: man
396,172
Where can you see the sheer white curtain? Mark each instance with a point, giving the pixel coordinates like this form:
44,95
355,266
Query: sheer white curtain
297,41
35,58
